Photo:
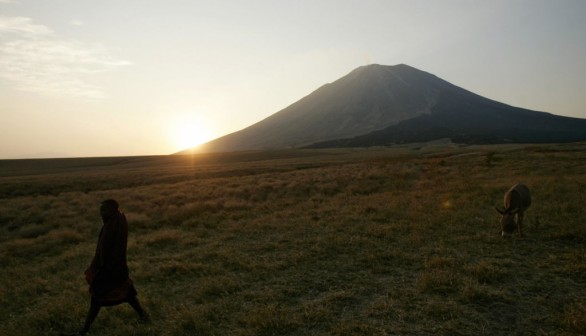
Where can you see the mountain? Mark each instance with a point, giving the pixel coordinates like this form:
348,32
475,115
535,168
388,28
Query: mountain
381,105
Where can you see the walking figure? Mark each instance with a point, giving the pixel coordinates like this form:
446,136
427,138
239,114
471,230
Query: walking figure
107,274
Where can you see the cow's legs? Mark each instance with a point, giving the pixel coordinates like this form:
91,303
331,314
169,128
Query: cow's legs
520,223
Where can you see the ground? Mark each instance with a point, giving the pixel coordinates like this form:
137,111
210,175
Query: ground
380,241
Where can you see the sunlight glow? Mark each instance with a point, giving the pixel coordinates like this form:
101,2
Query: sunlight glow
189,131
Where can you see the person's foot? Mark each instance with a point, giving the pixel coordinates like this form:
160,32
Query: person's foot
144,319
72,334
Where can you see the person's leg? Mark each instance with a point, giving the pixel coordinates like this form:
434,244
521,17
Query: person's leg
91,316
133,301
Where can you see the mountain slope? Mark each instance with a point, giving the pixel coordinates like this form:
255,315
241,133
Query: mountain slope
381,105
369,98
467,118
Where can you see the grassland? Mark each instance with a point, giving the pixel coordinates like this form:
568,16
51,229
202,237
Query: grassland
385,241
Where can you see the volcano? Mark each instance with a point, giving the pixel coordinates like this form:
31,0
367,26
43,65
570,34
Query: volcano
377,105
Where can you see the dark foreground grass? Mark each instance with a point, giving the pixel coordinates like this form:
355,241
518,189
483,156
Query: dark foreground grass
400,241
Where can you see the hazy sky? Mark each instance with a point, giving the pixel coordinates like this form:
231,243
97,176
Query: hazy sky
133,77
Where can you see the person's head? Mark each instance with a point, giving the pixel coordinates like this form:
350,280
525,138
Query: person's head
108,208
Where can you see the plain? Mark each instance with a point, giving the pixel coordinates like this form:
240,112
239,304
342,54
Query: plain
380,241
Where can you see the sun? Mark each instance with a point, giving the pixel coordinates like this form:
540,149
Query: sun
188,132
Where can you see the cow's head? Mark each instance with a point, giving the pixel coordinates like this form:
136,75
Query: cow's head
508,224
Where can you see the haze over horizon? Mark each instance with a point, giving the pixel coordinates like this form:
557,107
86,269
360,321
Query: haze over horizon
109,78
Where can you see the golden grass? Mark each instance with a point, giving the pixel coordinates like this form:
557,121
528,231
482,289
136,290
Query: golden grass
383,241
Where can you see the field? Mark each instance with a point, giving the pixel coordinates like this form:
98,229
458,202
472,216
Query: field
382,241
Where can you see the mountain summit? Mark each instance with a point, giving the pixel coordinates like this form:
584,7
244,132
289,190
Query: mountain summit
383,105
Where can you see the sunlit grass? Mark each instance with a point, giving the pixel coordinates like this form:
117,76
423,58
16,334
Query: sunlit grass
335,242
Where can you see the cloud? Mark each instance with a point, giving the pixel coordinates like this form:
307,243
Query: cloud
76,22
37,60
23,26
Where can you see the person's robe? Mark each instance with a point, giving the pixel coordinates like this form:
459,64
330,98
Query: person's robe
108,273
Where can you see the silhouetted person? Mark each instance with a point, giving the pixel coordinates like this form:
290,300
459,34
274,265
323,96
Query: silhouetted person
107,274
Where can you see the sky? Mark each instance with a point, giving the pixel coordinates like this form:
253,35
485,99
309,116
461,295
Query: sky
84,78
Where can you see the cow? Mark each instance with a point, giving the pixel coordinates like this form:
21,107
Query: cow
517,200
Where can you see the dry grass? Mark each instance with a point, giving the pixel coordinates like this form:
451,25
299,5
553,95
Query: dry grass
400,241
